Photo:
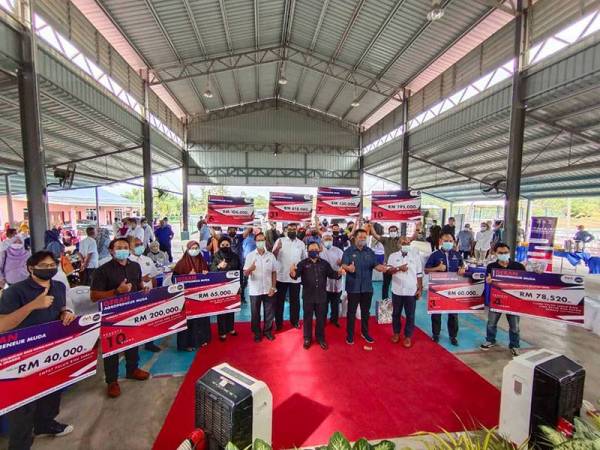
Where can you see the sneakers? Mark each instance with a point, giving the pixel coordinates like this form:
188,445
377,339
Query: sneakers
233,333
515,352
307,343
222,337
487,345
139,375
407,342
54,429
367,338
269,336
257,338
395,338
324,345
335,323
113,390
349,340
454,341
435,338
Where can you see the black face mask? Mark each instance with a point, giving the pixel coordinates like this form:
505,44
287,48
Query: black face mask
315,233
292,235
45,274
336,233
232,233
226,250
301,235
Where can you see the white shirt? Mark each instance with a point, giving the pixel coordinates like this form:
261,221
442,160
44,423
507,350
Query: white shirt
260,280
148,234
405,283
88,246
483,240
137,232
332,256
148,268
290,252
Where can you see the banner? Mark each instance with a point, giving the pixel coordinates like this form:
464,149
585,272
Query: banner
41,359
336,202
547,295
211,294
395,206
230,211
129,320
541,241
290,207
450,292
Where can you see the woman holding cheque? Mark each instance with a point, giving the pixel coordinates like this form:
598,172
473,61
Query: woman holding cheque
198,330
224,260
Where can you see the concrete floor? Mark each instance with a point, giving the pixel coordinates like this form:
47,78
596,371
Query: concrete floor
132,421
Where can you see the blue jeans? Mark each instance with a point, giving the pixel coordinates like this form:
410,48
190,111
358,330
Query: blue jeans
513,325
408,303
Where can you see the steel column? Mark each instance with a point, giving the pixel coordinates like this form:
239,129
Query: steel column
33,152
147,160
517,128
97,210
361,175
405,151
9,203
527,218
184,182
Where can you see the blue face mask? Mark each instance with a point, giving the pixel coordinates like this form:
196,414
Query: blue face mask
447,246
122,254
405,248
138,250
505,257
313,254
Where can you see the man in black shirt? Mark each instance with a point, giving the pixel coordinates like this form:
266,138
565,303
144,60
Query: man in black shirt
118,276
35,301
450,227
314,272
340,239
503,262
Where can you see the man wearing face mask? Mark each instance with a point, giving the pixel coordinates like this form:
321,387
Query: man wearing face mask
483,241
314,272
135,230
340,239
406,270
391,244
358,262
503,261
333,255
119,276
88,248
446,259
35,301
288,250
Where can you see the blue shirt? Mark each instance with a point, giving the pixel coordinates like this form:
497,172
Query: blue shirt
164,235
310,239
204,233
364,261
249,245
23,292
451,259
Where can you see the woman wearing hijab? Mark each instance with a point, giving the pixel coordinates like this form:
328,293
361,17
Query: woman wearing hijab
198,330
52,243
157,256
13,262
224,260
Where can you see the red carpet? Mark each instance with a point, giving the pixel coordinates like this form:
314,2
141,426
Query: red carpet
384,393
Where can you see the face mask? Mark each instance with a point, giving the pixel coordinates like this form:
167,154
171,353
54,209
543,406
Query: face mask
45,274
292,235
393,234
138,250
301,235
504,257
121,254
447,245
483,228
154,252
260,245
231,233
328,244
226,250
405,248
336,233
194,251
313,254
361,243
315,233
16,246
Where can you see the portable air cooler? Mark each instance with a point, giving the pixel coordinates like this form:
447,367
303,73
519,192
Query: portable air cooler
539,388
233,406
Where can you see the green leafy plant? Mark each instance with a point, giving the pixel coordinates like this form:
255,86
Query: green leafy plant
337,442
485,439
586,436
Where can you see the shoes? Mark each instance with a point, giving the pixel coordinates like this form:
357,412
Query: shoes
138,374
223,337
515,352
307,344
367,338
324,345
113,390
335,323
152,347
257,338
269,336
435,338
278,327
349,340
186,349
55,429
487,345
395,338
454,341
407,342
233,333
296,325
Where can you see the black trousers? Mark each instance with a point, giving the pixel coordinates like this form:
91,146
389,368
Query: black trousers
436,324
225,323
362,299
35,415
197,334
385,287
86,276
268,304
167,249
111,364
320,311
282,289
333,301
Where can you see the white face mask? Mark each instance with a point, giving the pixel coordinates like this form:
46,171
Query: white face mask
393,234
328,244
16,246
194,251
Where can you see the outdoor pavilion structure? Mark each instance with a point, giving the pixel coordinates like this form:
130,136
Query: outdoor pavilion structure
302,93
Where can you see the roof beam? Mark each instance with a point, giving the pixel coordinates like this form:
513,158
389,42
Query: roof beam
229,47
339,46
286,31
256,47
197,35
570,130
